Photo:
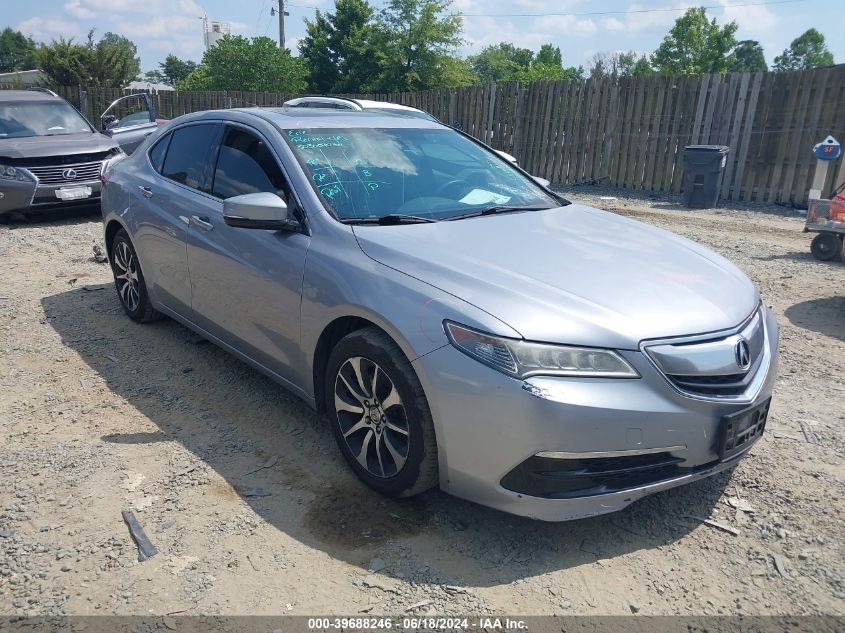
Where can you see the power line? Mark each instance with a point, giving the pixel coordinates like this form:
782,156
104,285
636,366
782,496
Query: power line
595,13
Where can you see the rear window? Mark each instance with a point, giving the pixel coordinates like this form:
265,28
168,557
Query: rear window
187,155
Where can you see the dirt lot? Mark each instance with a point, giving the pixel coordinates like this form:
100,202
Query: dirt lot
99,415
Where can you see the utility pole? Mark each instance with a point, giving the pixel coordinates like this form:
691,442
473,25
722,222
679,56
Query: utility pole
282,14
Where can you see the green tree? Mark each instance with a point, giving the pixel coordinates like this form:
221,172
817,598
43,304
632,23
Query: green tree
618,64
339,49
695,45
417,41
110,63
173,70
17,51
549,55
808,50
748,58
238,63
500,63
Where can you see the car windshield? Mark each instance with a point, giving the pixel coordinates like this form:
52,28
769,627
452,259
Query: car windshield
38,118
364,173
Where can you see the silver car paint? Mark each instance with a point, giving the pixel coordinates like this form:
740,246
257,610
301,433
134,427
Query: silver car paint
492,274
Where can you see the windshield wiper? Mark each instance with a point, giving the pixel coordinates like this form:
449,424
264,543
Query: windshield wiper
390,219
497,209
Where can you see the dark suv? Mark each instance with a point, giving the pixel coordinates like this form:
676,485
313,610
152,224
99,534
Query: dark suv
51,156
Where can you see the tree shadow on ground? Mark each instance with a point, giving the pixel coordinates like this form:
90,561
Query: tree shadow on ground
825,316
235,420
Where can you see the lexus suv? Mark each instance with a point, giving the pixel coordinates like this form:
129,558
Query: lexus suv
459,324
51,156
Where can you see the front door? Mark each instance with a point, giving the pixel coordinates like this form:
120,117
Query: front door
247,283
129,120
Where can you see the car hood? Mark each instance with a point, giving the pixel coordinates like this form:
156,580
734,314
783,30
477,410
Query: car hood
60,145
572,275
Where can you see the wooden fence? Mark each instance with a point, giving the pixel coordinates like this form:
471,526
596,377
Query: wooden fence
628,132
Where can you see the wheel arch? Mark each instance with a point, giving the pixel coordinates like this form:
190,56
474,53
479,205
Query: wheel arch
112,227
330,336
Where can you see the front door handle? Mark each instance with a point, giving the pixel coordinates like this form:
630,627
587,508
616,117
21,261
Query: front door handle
202,223
146,192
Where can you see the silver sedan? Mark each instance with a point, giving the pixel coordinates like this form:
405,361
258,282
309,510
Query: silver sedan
459,324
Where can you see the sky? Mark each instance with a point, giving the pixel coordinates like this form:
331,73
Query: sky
581,28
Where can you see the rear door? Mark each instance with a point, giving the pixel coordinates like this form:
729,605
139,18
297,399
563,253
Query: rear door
247,283
129,120
170,188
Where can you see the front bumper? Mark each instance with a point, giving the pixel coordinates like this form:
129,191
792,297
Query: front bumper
29,195
488,425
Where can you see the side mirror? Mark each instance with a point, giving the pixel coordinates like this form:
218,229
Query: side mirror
107,121
258,211
507,156
542,181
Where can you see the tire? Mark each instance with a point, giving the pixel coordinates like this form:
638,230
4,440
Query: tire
392,447
826,246
129,280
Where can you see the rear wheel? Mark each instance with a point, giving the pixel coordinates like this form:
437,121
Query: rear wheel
826,246
129,280
380,415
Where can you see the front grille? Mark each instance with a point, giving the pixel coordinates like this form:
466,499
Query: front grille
67,174
709,367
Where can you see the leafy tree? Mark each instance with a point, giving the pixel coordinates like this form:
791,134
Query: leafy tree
17,51
618,64
238,63
339,49
808,50
110,63
695,45
500,62
416,44
549,55
173,70
748,58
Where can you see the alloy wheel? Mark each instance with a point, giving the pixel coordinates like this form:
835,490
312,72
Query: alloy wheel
372,417
126,276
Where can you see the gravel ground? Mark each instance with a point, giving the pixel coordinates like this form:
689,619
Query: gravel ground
241,488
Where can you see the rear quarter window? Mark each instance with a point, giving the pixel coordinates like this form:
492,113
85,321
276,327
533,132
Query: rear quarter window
187,155
158,151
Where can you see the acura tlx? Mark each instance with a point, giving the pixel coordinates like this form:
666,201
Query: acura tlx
459,324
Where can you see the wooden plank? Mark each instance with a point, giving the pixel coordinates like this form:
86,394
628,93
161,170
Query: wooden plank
663,143
599,141
735,134
736,192
654,136
627,87
581,140
799,137
636,134
566,91
791,82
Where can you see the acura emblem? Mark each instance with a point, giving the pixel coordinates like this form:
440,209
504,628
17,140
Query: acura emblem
743,354
69,174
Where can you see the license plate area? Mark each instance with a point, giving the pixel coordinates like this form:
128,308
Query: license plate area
740,430
73,193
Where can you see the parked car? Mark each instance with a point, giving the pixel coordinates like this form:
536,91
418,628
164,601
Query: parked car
50,155
459,324
361,105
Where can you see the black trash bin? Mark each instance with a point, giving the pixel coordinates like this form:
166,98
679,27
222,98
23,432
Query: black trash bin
703,169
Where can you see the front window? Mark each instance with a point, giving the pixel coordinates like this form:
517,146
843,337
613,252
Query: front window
363,173
34,118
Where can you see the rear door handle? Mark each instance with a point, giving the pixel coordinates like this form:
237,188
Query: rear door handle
202,223
146,192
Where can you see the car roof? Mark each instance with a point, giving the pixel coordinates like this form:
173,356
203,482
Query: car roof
31,96
352,103
296,118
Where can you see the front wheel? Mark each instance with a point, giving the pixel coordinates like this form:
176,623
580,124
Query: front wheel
129,280
380,415
826,246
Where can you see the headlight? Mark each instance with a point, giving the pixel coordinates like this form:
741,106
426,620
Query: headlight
521,359
7,172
